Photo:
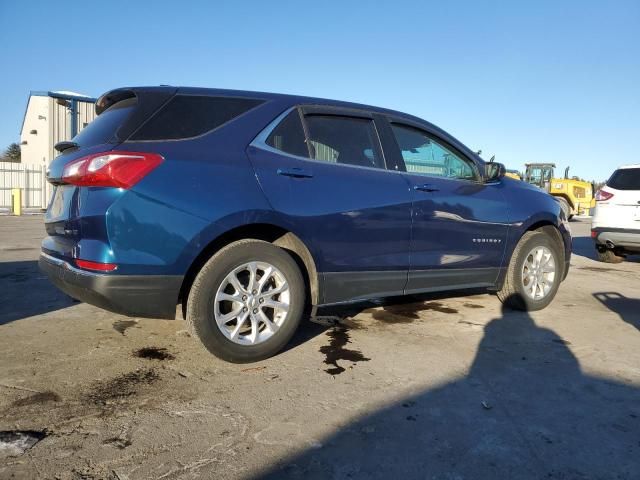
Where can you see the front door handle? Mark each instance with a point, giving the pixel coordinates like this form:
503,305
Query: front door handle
295,172
426,187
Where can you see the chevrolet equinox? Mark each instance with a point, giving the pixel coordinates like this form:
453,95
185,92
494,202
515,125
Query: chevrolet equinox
247,208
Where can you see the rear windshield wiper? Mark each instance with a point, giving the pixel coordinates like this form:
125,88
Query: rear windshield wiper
65,145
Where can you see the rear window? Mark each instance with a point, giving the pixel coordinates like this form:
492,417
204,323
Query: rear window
105,125
186,116
625,179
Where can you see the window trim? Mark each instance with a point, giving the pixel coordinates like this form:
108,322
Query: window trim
438,139
260,141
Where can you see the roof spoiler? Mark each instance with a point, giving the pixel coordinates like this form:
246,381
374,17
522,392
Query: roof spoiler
112,97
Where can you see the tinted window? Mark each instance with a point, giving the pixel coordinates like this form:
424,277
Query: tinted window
188,116
347,140
425,156
288,136
625,179
104,127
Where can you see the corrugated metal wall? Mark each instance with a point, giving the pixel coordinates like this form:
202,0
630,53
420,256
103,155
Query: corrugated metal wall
60,125
30,178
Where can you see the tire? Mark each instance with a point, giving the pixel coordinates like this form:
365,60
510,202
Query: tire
513,293
204,304
609,256
564,204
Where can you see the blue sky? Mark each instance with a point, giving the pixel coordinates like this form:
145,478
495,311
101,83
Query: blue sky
527,81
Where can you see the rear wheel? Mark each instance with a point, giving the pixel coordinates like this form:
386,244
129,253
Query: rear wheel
534,273
609,256
246,302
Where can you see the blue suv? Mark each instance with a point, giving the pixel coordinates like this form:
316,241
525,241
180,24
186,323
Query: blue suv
247,208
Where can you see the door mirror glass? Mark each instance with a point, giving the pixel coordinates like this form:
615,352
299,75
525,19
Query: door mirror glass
494,171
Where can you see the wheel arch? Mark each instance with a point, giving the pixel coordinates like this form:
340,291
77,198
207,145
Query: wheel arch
268,232
543,224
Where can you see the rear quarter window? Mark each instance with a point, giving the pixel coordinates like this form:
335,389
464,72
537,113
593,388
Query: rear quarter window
187,116
288,136
625,179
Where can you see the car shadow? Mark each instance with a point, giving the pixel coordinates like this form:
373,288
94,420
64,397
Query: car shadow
627,308
25,292
524,410
584,247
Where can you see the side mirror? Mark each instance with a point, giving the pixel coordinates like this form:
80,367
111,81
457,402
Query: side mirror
494,171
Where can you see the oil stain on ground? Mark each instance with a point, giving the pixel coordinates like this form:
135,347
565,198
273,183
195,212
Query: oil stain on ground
472,305
122,386
119,442
153,353
122,325
37,399
336,351
409,312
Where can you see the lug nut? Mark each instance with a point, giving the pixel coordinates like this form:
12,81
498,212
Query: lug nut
261,300
245,309
244,297
255,310
254,292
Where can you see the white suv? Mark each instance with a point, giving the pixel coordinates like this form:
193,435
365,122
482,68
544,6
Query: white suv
616,222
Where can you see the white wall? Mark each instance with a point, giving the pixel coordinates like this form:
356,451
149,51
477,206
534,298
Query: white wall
36,150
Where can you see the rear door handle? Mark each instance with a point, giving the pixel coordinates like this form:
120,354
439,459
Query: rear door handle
426,187
295,172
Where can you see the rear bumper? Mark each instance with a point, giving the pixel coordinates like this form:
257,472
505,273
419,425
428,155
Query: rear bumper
618,237
151,296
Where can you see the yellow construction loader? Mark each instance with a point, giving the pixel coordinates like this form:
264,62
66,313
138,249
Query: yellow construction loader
574,195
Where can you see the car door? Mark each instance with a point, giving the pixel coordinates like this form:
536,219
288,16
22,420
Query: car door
460,224
323,169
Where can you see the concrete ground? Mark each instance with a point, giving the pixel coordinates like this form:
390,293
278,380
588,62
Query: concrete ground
446,388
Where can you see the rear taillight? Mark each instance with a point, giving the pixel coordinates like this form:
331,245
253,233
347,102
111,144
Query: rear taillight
603,196
110,169
100,267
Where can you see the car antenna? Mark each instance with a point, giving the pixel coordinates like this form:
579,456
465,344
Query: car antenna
492,159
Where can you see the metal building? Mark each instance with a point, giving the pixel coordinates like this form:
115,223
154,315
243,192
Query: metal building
51,117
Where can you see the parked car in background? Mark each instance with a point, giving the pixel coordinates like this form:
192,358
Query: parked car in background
615,226
249,209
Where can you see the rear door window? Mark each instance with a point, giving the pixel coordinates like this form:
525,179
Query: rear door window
625,179
424,155
187,116
343,140
104,127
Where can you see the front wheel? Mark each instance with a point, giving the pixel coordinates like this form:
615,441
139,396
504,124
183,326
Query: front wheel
246,302
534,273
564,204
